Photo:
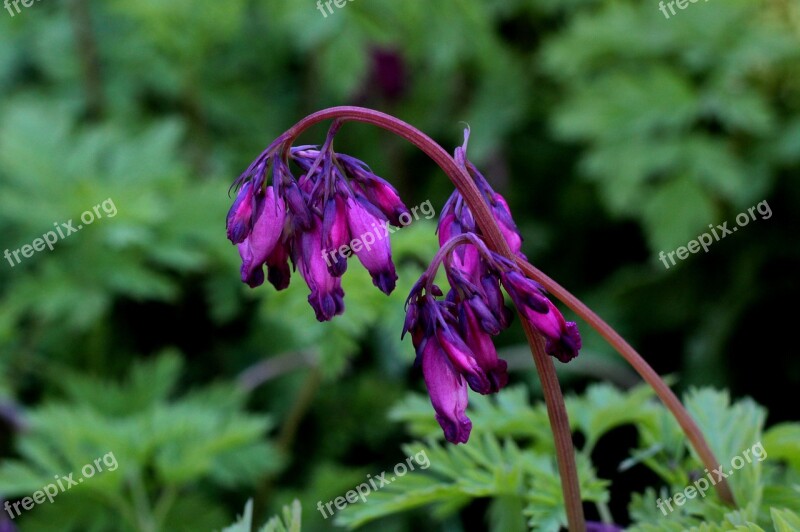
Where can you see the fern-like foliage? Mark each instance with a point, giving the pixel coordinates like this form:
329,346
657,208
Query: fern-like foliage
163,445
290,521
510,460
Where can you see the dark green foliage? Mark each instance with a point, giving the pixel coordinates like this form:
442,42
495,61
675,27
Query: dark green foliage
615,134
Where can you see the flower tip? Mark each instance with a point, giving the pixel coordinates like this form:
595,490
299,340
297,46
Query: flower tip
455,431
567,347
479,382
237,232
385,281
278,277
498,377
253,277
326,306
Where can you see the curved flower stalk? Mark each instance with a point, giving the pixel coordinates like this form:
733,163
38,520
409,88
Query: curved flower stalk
336,196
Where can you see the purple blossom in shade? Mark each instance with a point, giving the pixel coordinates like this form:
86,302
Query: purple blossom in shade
377,190
447,389
278,219
336,232
278,272
376,256
327,296
240,215
594,526
254,250
448,365
563,339
482,345
5,524
388,73
462,324
456,218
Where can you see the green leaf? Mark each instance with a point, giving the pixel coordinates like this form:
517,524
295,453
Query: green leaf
785,520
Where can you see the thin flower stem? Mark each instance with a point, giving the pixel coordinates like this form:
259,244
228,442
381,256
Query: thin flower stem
559,422
554,400
667,396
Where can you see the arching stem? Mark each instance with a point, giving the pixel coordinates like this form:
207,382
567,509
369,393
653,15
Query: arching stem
667,396
554,400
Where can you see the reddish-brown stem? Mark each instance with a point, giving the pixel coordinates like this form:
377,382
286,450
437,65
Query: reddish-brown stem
667,396
559,422
463,182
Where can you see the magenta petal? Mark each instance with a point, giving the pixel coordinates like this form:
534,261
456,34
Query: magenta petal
525,293
336,234
297,203
551,323
254,250
495,301
371,246
327,296
384,196
448,228
484,350
279,273
448,392
567,346
252,273
240,216
463,360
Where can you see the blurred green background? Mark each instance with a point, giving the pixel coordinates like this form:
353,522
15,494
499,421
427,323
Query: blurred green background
614,132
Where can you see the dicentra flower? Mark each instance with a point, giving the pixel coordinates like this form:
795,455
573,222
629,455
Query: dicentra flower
316,221
336,207
455,333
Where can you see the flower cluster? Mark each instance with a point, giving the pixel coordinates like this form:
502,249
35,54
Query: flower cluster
301,219
452,333
338,197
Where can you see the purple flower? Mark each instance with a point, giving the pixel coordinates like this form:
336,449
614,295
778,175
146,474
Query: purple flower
594,526
482,345
373,250
327,296
563,339
448,365
502,214
456,218
384,197
463,323
337,234
5,524
447,390
465,258
308,220
260,242
13,415
463,359
388,73
278,272
240,216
